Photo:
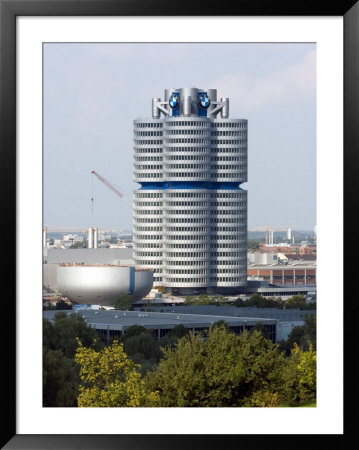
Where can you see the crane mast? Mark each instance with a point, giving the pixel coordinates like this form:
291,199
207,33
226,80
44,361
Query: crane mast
110,186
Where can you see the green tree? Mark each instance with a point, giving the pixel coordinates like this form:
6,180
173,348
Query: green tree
299,375
261,302
66,329
302,334
307,368
219,324
60,372
80,244
221,370
122,302
253,244
171,338
144,350
261,328
239,302
299,302
190,300
110,379
60,379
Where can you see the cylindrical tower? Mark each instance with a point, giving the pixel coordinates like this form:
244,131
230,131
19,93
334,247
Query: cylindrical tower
90,238
190,213
95,237
44,237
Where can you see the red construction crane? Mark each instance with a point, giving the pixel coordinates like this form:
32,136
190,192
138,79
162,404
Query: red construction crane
109,185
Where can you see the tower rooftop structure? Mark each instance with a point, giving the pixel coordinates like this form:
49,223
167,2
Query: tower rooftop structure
190,213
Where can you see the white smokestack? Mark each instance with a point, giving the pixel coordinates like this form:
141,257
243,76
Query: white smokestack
95,237
44,237
90,238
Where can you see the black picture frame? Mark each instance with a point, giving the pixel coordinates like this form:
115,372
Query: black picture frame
9,10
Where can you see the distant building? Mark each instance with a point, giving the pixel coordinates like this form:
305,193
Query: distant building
115,323
95,275
292,273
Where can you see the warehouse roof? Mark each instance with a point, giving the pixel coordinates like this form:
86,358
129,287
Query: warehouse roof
125,319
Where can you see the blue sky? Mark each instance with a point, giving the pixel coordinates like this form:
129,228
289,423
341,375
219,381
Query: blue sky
92,93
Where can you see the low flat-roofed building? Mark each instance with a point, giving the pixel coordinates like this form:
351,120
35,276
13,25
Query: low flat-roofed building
293,273
114,323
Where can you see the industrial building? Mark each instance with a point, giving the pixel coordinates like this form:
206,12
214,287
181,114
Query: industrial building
94,275
115,323
190,213
293,273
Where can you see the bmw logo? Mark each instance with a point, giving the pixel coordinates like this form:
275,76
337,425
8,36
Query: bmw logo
203,101
173,101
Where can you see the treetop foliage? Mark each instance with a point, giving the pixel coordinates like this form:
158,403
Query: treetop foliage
221,370
109,378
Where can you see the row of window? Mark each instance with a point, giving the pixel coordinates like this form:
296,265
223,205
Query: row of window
185,246
185,148
211,220
147,229
148,167
148,158
148,220
148,175
227,229
142,204
148,124
234,206
229,124
235,149
208,203
148,194
150,150
229,133
196,157
148,245
187,123
192,281
151,237
187,132
212,195
229,158
171,229
190,176
186,254
150,212
190,212
241,273
147,254
148,133
188,141
147,264
238,147
235,246
238,176
148,142
185,272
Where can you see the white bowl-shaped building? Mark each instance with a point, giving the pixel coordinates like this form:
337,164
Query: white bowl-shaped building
98,284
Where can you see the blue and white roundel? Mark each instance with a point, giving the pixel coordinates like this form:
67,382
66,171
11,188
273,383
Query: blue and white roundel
203,101
173,101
